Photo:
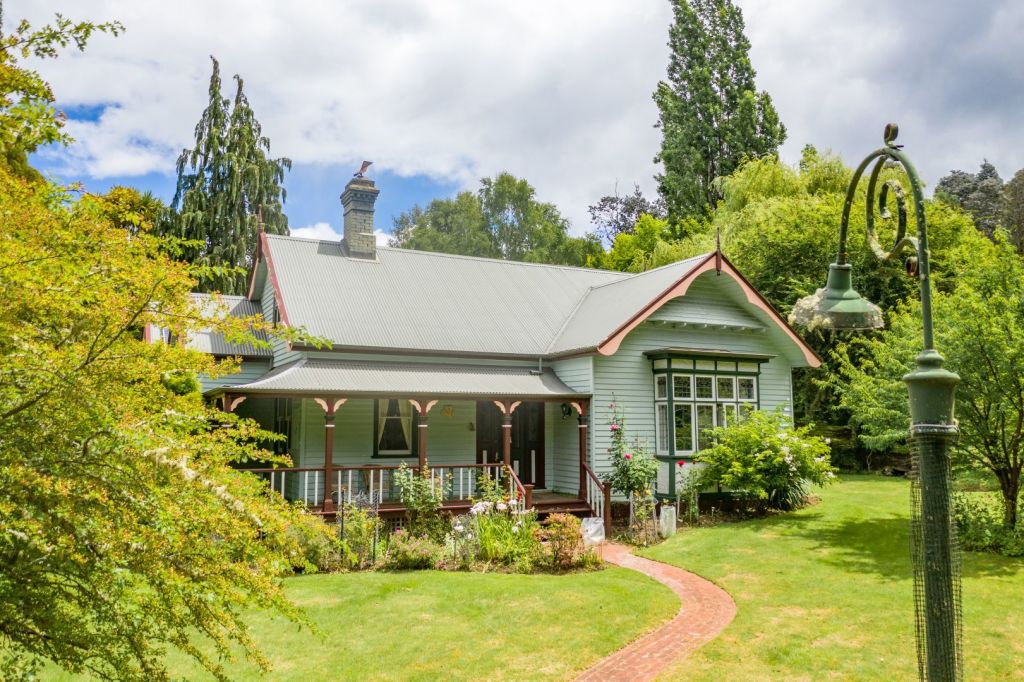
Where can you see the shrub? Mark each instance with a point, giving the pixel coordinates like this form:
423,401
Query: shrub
411,552
562,537
319,548
422,495
765,458
360,531
505,534
979,522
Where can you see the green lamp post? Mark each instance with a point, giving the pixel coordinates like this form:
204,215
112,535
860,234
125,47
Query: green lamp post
838,306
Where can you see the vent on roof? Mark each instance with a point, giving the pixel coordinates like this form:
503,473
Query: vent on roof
357,203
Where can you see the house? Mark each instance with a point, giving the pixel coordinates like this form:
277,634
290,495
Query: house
481,365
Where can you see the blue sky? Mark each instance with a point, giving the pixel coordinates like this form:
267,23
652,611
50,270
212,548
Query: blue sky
314,189
443,93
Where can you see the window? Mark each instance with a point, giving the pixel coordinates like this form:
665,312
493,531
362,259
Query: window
693,397
393,428
283,425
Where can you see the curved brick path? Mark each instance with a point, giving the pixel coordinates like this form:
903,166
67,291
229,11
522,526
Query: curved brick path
705,611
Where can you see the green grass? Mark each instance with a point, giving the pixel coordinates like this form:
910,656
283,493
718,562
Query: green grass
455,626
826,593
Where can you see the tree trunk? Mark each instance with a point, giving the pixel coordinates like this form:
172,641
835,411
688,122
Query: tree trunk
1009,485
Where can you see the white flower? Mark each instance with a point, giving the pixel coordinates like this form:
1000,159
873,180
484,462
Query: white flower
785,450
828,441
502,506
458,526
829,474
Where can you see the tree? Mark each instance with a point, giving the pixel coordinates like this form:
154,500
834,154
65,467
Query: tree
502,220
28,119
124,528
615,215
129,208
979,329
979,194
228,189
1012,215
710,113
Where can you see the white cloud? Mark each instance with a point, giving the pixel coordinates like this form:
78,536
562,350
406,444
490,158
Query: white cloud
325,231
557,92
315,231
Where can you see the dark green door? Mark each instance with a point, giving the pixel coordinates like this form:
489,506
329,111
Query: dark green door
527,439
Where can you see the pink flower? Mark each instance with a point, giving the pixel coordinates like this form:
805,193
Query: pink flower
629,456
614,427
612,406
680,463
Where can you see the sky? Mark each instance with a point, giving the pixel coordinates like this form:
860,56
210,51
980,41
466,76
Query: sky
439,94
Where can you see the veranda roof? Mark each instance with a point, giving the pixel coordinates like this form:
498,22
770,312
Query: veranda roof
314,376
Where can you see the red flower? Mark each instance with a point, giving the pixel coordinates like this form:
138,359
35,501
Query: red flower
629,456
680,463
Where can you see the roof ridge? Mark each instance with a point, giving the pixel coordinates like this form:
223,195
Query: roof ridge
569,317
441,254
637,275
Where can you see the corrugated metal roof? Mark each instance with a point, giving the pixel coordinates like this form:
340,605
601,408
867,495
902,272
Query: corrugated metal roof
235,306
414,300
607,307
316,376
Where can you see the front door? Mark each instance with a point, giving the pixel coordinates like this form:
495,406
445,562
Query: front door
527,439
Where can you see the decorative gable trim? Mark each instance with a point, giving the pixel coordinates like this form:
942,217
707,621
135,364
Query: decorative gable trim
263,254
714,261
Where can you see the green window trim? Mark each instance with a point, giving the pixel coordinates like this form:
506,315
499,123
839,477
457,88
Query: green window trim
694,393
414,428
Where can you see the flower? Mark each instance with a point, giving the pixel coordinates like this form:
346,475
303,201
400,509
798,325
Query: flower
614,427
680,463
828,441
502,506
628,456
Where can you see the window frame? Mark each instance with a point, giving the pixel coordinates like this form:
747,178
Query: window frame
414,428
676,367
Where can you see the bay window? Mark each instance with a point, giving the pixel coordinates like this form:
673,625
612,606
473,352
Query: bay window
694,393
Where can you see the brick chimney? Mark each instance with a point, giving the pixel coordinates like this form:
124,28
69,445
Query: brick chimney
357,202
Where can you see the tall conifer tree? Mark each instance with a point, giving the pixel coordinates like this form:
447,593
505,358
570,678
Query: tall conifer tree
711,115
227,187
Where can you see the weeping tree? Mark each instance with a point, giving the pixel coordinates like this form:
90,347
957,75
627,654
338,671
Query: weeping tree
228,187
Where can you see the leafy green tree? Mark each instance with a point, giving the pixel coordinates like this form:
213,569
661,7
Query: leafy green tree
979,194
979,328
28,118
615,215
124,529
228,188
502,220
1012,214
129,208
710,113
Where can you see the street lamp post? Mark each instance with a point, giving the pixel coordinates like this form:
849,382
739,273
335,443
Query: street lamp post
838,306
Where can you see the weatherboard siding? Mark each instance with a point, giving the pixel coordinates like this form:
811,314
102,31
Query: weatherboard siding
249,370
283,354
578,374
704,304
626,379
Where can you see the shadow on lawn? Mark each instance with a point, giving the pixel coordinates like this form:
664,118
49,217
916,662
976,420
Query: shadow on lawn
882,546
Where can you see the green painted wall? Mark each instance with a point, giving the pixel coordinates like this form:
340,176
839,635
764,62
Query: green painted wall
250,370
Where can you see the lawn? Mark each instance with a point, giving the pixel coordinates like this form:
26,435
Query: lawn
456,626
826,593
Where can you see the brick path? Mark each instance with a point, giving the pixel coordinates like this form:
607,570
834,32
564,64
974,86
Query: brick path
705,611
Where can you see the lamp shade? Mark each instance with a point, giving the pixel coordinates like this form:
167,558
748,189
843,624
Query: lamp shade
837,306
